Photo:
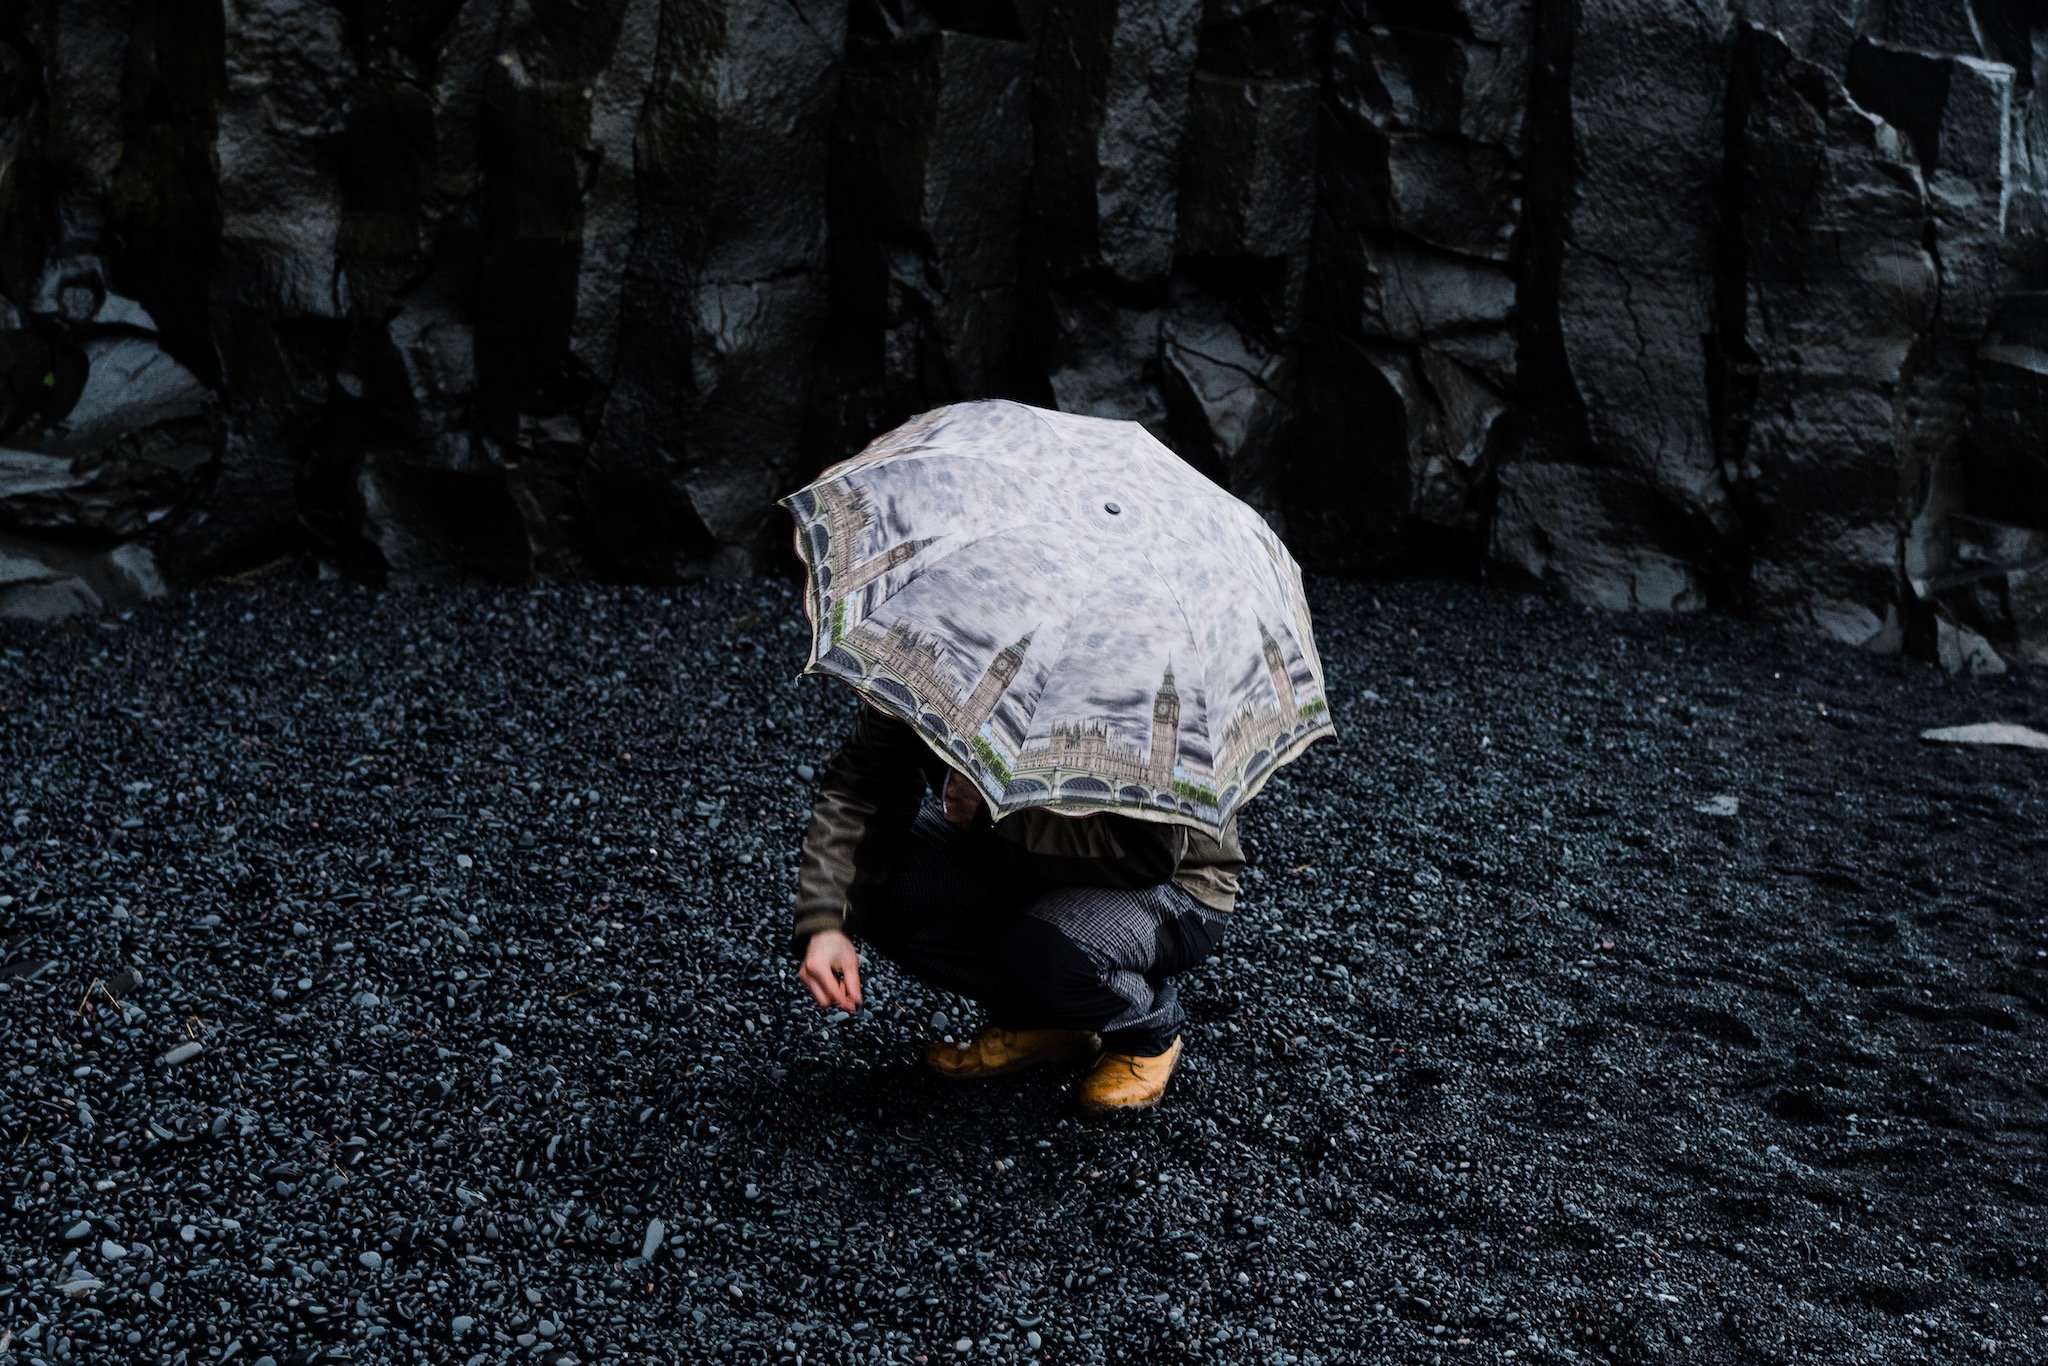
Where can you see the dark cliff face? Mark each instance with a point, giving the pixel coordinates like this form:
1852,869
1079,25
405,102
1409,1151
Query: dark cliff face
1665,303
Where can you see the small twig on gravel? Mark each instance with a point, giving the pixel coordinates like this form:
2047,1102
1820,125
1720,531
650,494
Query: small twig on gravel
249,575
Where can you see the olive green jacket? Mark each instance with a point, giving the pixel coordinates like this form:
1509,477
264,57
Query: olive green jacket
870,793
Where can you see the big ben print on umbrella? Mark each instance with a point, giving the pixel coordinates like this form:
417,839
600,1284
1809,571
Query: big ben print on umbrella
1066,611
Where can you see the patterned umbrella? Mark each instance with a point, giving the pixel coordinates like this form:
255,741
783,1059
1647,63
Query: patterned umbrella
1067,612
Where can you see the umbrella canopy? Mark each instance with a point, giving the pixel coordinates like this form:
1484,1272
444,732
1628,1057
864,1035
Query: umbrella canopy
1066,611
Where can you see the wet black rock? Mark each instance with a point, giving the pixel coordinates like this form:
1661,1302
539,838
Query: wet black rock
1662,308
1613,990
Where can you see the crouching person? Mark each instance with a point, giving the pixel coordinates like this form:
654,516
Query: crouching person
1067,929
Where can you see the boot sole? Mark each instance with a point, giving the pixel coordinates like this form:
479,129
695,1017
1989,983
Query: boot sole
1110,1111
1077,1055
1135,1107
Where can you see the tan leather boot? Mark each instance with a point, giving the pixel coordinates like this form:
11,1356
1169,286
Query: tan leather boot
994,1051
1127,1081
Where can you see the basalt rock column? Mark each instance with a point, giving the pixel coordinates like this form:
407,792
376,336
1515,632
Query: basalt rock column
724,288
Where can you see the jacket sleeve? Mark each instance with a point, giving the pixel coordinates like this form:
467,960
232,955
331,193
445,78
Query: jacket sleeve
867,798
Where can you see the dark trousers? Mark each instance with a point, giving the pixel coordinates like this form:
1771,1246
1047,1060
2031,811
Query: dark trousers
955,915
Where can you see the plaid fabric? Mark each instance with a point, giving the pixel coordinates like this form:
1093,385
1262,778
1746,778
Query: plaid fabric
956,915
869,795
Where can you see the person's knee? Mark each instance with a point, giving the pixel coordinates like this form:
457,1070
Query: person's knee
1187,940
1052,978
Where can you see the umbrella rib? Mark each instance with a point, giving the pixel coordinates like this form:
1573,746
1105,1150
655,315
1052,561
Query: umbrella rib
888,458
1013,526
869,457
925,565
1053,668
1038,415
1208,731
1280,584
1201,664
1282,575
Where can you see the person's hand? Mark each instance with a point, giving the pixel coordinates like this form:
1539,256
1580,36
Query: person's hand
831,971
963,800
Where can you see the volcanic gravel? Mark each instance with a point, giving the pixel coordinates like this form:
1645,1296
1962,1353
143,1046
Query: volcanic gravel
403,975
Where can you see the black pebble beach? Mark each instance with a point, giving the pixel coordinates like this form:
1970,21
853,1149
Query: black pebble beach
402,976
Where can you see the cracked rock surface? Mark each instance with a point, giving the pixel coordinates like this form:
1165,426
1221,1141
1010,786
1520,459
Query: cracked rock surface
1667,305
402,976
